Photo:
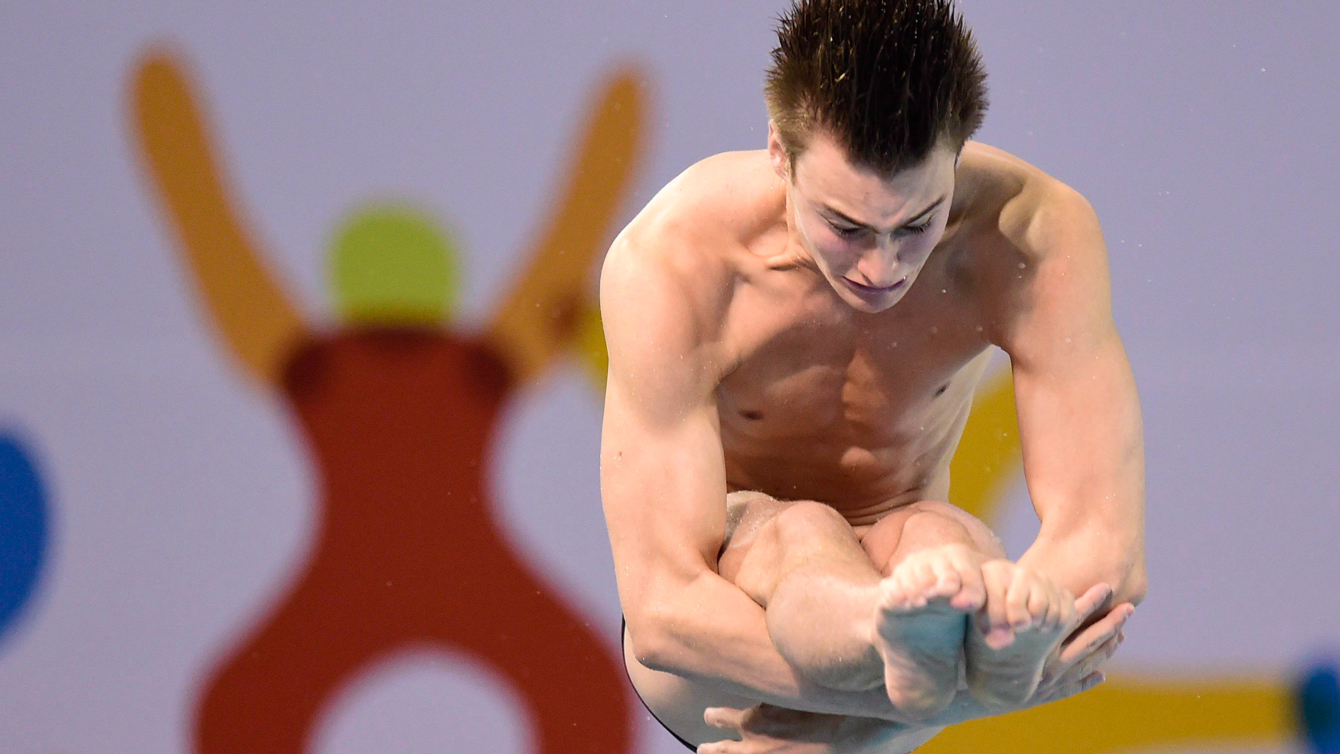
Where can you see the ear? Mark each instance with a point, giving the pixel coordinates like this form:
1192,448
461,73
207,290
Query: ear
781,162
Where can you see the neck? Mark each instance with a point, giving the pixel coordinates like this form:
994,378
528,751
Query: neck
796,254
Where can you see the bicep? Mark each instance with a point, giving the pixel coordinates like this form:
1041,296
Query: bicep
663,479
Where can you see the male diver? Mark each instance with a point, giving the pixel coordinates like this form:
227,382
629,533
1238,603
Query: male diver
795,335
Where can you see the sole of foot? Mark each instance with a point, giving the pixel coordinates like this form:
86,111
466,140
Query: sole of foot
920,636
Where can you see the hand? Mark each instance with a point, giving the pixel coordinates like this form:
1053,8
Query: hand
1073,666
765,729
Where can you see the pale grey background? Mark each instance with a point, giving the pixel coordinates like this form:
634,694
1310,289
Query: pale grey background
1201,131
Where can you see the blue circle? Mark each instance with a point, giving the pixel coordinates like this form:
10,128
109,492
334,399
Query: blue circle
1319,709
23,530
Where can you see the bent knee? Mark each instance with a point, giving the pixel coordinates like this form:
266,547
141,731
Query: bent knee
981,535
801,521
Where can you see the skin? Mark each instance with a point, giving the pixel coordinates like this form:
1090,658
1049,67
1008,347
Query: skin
746,355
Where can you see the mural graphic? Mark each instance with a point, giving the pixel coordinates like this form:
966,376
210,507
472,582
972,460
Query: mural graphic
23,530
399,413
1319,709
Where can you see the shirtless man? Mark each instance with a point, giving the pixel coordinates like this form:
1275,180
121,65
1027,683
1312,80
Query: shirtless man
795,336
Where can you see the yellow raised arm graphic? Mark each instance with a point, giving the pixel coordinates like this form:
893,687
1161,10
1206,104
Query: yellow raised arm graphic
250,309
548,310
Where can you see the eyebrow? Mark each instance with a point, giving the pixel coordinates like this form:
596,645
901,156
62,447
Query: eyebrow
910,222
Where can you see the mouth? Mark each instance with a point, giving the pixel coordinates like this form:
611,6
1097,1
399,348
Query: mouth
869,290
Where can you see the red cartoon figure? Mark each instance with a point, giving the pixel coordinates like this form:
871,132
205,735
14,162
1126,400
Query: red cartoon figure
399,415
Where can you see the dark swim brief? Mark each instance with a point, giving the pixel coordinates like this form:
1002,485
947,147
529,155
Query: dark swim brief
623,625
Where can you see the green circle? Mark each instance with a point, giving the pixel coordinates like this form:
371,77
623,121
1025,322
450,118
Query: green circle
394,265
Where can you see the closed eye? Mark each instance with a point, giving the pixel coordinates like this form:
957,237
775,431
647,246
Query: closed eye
846,232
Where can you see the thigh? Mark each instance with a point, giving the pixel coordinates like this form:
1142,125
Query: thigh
881,539
767,538
748,515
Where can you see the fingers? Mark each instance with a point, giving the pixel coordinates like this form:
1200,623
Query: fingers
1083,654
1069,689
729,720
725,718
1089,639
1091,602
1090,664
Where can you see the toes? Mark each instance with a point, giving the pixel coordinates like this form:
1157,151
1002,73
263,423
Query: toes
948,582
972,591
893,594
999,638
914,585
1016,605
996,578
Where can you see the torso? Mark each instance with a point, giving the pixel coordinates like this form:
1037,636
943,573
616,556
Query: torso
818,401
858,411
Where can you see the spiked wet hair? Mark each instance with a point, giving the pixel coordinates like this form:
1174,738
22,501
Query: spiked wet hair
889,79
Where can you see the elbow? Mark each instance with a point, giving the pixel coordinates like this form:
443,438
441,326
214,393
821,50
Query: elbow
1134,588
1129,582
647,641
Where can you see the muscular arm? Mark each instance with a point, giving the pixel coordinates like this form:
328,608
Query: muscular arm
1079,415
663,487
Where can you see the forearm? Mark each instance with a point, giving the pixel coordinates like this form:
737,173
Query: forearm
1077,561
711,632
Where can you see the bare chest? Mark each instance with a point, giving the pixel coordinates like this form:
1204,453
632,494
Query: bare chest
851,410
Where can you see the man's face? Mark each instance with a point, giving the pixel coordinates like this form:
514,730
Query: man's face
870,235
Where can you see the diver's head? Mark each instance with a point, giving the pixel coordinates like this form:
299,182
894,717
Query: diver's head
870,104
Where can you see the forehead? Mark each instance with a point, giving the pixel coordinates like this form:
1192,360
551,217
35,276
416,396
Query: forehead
825,173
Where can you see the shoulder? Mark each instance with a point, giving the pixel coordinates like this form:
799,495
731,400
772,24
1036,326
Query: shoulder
1017,203
1039,249
682,250
1033,237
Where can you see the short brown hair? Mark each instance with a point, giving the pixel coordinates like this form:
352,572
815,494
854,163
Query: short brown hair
889,79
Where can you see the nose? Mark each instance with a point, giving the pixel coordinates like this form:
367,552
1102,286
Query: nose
879,267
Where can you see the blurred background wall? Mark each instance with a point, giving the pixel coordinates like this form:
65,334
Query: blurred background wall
300,380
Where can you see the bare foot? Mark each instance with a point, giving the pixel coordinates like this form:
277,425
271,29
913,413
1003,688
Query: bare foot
920,623
1025,617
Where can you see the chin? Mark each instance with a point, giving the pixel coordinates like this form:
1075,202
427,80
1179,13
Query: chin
871,305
